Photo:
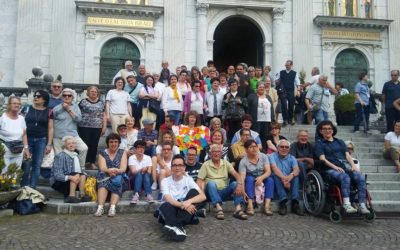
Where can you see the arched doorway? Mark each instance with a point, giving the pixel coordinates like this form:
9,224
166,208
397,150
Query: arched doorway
113,56
237,40
349,64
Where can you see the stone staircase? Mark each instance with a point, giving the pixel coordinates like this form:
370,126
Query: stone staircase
382,178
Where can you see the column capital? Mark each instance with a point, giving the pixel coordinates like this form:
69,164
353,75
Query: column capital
202,8
278,12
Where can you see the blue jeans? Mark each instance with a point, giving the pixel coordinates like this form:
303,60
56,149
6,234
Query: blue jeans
37,147
320,115
359,116
294,188
249,185
217,196
345,180
175,116
303,171
142,180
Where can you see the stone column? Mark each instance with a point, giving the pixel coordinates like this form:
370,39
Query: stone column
201,57
277,39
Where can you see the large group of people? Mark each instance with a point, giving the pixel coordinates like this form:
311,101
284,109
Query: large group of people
194,134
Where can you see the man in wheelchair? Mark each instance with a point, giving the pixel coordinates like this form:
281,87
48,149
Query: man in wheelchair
340,166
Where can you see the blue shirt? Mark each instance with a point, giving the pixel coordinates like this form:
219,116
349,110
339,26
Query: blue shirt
134,95
362,90
285,164
391,92
333,150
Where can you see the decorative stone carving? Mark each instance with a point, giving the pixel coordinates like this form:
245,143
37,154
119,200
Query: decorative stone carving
328,45
149,37
90,34
240,11
278,12
37,72
202,8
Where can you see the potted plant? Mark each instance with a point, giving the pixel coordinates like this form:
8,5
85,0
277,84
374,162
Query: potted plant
345,110
9,188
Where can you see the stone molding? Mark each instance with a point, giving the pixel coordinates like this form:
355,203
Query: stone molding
123,10
352,22
202,8
278,13
249,4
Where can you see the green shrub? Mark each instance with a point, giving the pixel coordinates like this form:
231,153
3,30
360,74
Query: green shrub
345,103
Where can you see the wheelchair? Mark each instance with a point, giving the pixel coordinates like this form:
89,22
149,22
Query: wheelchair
321,195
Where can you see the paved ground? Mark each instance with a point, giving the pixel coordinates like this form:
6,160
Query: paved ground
141,231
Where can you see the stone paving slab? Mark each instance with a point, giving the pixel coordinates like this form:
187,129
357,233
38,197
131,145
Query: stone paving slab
141,231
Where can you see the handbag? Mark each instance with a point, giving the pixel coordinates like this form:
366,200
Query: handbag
48,160
25,207
16,147
153,105
345,165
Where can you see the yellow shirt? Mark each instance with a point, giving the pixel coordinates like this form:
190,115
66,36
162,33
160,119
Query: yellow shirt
209,172
238,149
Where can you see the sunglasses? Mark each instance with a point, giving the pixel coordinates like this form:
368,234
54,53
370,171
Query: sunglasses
350,148
67,95
285,147
56,86
37,96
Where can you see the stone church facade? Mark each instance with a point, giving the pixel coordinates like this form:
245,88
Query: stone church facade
88,41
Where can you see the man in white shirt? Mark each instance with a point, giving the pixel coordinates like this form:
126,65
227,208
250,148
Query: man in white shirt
127,71
182,196
214,99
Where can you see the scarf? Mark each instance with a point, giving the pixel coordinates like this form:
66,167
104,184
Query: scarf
74,156
175,93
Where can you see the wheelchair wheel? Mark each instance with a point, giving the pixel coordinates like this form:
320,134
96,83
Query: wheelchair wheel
313,193
370,217
335,216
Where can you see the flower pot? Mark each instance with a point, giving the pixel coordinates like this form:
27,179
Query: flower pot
6,197
345,118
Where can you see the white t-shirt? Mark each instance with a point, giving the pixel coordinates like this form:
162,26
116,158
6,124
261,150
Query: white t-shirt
393,139
145,162
175,150
160,87
178,189
12,130
263,110
118,102
167,163
197,102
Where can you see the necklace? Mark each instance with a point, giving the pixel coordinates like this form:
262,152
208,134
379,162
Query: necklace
36,119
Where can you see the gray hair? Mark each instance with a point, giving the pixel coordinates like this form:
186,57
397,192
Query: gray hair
66,138
322,76
316,70
70,91
282,141
214,147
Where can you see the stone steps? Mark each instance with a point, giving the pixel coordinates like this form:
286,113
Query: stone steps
383,177
377,168
385,195
383,185
386,206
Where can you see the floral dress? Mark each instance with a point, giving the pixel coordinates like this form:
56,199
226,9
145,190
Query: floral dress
103,180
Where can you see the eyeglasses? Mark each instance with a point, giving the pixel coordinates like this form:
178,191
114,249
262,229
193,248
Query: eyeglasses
350,148
178,165
56,86
191,154
166,149
37,96
326,129
197,86
67,95
274,128
246,134
285,147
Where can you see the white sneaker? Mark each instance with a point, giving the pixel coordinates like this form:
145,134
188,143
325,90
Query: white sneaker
154,186
349,209
111,212
174,233
364,209
135,198
99,212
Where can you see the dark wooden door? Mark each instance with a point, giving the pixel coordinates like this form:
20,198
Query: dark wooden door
113,56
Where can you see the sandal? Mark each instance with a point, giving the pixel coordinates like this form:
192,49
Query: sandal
250,210
220,215
268,211
240,215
